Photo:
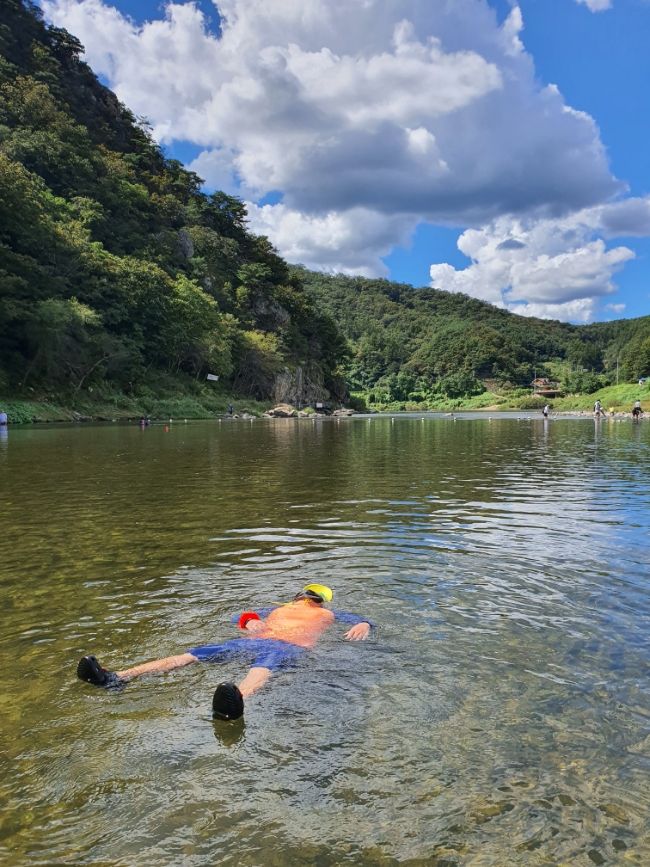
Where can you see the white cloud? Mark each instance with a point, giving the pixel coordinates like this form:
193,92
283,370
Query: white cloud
371,116
597,5
420,108
581,310
617,309
323,242
556,268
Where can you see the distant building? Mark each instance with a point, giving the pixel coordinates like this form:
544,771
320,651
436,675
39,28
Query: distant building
545,387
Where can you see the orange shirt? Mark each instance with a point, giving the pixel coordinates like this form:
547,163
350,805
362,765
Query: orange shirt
301,622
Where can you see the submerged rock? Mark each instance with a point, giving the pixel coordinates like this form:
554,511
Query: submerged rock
615,812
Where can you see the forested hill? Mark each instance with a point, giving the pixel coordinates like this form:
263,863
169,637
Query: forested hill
424,344
115,270
120,277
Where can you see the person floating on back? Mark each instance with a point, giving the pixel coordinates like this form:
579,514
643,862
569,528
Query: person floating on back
274,638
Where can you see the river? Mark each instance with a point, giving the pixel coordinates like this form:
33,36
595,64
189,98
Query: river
498,714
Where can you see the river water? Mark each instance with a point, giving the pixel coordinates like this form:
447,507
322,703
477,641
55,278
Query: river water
498,715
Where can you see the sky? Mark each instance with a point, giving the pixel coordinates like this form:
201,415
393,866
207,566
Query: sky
492,147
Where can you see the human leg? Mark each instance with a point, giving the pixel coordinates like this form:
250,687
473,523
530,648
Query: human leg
270,654
204,653
157,666
255,679
90,670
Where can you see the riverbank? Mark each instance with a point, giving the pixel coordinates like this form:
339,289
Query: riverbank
614,398
200,402
125,408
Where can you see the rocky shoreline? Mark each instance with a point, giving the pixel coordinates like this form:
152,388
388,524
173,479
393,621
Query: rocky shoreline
41,412
581,413
287,410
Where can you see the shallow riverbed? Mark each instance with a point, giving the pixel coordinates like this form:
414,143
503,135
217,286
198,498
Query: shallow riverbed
498,716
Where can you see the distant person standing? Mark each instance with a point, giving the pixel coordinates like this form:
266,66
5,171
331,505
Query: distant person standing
231,409
598,409
546,410
3,418
637,411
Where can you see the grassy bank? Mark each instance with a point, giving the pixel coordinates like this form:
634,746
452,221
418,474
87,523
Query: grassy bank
195,403
616,397
619,398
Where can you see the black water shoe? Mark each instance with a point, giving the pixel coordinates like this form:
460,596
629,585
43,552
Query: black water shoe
227,702
91,671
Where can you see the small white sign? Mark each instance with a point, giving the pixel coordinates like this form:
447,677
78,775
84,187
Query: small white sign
212,377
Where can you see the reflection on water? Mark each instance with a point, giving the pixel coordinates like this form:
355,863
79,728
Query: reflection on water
499,716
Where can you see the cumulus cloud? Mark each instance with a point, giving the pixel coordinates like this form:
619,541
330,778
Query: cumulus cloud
369,116
597,5
558,268
322,242
419,108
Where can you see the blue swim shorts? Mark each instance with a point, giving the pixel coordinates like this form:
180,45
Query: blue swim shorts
258,652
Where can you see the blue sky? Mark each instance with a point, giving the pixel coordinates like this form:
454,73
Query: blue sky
378,138
602,64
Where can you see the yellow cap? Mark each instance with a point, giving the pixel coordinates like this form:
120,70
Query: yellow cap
321,590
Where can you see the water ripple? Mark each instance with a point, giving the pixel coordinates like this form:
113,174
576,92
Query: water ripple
498,715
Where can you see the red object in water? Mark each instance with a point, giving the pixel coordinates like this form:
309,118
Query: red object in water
245,617
166,429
